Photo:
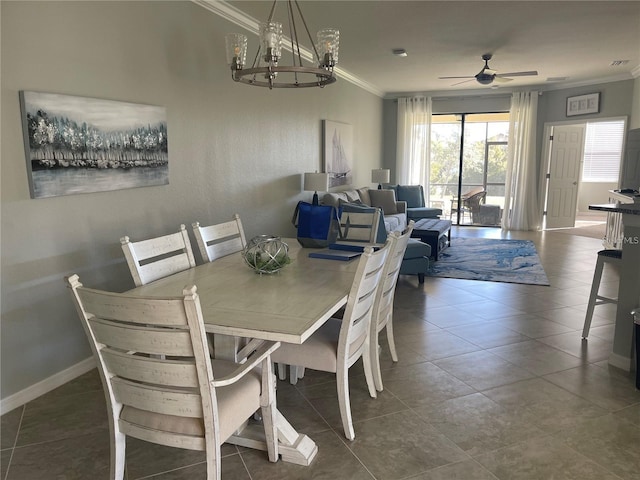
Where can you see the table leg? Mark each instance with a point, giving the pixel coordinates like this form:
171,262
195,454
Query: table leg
293,447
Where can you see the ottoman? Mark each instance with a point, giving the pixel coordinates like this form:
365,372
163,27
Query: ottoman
416,259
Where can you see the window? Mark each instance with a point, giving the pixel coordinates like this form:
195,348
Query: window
603,151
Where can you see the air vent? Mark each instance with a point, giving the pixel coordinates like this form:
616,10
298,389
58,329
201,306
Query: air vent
399,52
617,63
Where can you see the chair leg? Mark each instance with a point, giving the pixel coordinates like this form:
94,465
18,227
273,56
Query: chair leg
368,372
595,287
342,379
296,372
421,278
374,354
391,339
282,371
118,448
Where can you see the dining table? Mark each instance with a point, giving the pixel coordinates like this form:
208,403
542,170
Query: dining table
286,306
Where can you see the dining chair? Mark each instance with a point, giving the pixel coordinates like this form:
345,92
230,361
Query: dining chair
158,257
220,240
186,400
340,342
359,226
382,317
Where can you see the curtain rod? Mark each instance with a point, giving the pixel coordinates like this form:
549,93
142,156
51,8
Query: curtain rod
463,97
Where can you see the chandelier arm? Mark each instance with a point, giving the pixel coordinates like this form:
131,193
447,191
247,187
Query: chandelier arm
249,76
273,10
293,36
313,45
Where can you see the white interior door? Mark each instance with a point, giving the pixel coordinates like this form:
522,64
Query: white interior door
564,173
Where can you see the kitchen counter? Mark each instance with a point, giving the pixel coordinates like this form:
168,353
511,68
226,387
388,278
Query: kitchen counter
629,289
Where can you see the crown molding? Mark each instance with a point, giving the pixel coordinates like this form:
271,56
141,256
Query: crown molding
238,17
635,73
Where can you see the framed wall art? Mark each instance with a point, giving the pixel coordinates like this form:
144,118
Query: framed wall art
583,104
338,152
84,145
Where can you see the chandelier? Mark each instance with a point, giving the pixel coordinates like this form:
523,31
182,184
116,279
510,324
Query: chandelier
267,69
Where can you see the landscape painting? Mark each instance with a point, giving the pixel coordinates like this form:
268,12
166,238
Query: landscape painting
338,153
83,145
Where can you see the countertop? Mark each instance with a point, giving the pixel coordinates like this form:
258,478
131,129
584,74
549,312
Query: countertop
628,208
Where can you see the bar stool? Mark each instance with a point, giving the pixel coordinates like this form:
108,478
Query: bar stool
614,257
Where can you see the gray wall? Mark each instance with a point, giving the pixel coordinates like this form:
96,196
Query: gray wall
232,148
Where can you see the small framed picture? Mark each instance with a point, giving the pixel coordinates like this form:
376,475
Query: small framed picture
583,104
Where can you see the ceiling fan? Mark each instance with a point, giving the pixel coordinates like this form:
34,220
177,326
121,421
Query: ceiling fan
487,76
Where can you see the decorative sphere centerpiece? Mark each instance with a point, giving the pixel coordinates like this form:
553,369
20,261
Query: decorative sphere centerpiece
266,254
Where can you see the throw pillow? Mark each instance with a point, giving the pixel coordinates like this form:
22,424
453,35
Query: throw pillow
384,199
364,195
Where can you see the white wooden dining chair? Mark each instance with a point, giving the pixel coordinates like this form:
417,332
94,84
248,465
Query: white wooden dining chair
219,240
340,342
383,305
359,227
155,258
186,400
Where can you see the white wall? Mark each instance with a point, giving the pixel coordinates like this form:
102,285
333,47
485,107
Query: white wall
232,148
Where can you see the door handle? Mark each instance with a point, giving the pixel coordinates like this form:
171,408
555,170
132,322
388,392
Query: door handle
575,183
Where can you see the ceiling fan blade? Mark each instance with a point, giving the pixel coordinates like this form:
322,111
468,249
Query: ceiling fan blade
490,71
464,81
445,78
502,79
518,74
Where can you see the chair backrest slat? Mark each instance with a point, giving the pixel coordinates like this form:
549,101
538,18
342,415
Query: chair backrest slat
132,309
155,258
152,341
158,371
215,241
158,399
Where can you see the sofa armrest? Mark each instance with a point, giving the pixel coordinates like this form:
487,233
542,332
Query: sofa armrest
401,206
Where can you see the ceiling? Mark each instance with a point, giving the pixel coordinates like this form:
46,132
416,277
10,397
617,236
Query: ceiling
569,43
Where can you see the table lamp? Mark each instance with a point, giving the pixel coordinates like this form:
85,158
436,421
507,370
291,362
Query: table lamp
380,176
316,182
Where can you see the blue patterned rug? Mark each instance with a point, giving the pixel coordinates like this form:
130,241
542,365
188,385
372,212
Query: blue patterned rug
510,261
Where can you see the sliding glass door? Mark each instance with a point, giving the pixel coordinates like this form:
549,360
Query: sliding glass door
468,166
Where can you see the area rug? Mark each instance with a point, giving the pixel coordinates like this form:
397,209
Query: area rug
510,261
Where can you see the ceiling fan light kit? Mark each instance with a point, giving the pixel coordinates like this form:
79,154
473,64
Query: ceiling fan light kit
487,76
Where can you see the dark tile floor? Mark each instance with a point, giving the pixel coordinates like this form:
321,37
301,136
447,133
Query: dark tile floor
493,382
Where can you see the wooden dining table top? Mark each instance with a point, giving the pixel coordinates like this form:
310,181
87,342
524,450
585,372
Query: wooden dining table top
285,306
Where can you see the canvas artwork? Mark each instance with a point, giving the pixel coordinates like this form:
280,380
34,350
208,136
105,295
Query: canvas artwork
83,145
338,153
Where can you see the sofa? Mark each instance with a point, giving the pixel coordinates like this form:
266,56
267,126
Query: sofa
413,195
393,211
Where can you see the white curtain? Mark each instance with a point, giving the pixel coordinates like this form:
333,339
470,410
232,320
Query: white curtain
521,210
414,139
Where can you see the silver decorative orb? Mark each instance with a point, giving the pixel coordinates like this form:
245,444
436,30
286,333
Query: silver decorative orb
266,254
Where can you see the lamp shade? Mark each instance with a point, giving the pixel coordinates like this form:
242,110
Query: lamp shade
380,175
316,182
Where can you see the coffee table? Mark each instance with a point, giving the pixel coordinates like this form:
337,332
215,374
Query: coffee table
434,232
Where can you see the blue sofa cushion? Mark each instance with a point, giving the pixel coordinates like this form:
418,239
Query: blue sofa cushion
423,212
412,194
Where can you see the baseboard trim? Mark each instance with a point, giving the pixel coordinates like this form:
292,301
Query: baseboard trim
618,361
38,389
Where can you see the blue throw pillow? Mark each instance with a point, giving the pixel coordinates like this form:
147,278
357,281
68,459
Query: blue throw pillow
412,194
381,236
